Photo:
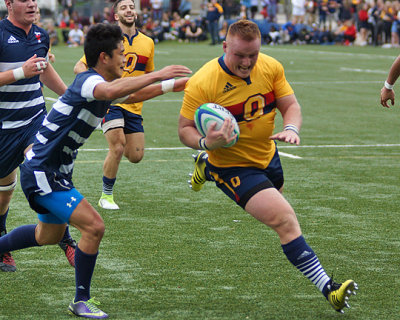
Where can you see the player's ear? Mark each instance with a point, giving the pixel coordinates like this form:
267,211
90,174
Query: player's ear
103,57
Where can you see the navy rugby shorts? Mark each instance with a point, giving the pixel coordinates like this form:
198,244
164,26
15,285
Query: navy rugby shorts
241,183
13,144
117,117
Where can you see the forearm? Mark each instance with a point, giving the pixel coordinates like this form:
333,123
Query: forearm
188,133
53,81
394,72
7,77
145,93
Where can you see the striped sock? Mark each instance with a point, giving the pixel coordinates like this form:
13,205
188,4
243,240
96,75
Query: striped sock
108,185
300,254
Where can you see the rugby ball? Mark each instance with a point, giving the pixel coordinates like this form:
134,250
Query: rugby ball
209,113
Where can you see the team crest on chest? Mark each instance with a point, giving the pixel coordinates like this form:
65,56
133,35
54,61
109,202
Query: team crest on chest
38,36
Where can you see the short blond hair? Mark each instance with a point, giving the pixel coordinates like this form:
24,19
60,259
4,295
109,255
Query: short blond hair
245,29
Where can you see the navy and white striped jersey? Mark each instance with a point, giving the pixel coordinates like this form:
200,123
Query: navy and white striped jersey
21,101
68,125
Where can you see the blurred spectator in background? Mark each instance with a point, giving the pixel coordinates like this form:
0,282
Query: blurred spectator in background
182,25
311,11
247,7
395,31
298,11
272,9
322,12
230,8
168,32
63,19
214,12
253,8
53,35
274,36
243,12
363,24
223,31
68,5
156,9
184,8
75,36
350,32
193,32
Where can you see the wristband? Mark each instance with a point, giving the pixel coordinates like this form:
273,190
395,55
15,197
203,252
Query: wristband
167,85
388,85
18,74
291,127
202,144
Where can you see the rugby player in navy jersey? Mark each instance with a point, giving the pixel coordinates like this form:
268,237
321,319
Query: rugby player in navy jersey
24,48
46,174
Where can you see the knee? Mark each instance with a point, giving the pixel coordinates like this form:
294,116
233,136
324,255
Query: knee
117,150
96,230
135,156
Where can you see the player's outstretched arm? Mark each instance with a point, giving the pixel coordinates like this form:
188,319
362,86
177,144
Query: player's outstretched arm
32,67
125,86
155,90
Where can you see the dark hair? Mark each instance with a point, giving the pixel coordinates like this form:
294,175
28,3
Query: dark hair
100,38
245,29
116,3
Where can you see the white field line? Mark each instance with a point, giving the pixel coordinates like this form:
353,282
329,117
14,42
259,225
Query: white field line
279,147
283,154
363,70
340,54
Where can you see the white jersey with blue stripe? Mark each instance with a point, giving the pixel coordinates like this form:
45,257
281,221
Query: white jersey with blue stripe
68,125
21,101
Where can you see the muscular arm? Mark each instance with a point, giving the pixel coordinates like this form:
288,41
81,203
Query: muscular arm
291,114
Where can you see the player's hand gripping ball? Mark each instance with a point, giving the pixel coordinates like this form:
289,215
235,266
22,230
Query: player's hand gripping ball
209,113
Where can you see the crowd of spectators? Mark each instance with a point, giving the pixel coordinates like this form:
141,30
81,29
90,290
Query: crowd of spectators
346,22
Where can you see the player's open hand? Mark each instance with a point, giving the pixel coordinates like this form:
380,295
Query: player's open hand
287,136
173,71
34,66
387,95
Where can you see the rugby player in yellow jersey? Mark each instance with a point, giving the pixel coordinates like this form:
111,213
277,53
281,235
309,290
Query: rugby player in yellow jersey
253,87
123,123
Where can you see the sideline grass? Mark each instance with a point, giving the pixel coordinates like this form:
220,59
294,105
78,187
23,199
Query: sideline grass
170,253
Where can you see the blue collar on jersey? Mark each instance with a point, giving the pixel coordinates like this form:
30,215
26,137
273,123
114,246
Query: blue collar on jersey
130,40
225,68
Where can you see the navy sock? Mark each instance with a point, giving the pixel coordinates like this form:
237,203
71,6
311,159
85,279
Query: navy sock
108,185
300,254
84,267
67,235
3,219
19,238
